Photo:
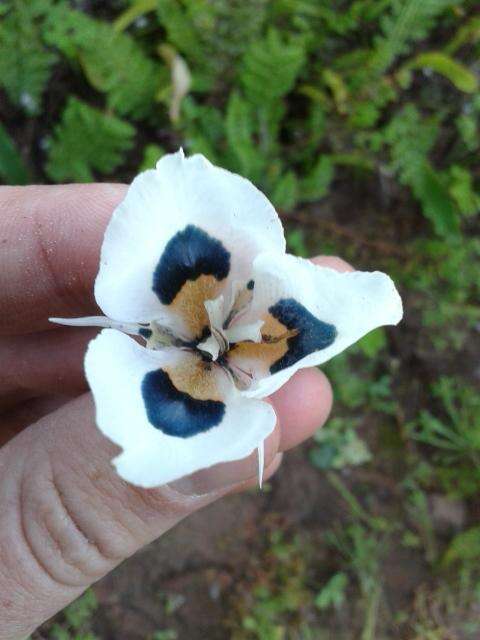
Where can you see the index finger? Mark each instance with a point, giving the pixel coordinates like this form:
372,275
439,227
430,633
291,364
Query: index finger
50,239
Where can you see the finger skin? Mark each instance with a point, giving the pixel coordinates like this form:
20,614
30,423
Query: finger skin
304,405
45,362
50,239
68,519
333,262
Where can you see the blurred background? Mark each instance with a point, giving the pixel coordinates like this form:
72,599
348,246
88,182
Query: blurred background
360,120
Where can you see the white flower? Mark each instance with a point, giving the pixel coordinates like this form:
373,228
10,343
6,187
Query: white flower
194,262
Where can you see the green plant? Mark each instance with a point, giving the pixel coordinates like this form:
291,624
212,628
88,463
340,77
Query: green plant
454,435
274,598
86,140
113,62
76,623
362,552
338,446
25,64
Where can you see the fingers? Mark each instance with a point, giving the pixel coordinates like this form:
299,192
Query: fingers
68,519
45,362
333,262
50,238
304,405
15,420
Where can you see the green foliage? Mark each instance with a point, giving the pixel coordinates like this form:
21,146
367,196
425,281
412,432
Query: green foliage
362,551
87,140
407,22
270,68
446,274
165,634
76,620
137,9
275,593
339,446
113,63
12,167
25,65
410,139
457,73
316,183
333,593
151,155
454,434
465,547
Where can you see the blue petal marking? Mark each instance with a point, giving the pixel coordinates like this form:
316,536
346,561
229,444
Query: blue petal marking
175,412
313,334
188,255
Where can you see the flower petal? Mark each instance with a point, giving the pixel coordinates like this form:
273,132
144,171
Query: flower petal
182,230
170,412
311,314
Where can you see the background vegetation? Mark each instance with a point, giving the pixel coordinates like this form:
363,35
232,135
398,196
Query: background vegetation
360,120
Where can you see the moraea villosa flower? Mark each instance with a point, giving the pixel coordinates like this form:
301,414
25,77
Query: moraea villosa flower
193,264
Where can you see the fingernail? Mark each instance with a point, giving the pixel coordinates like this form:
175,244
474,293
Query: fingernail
224,476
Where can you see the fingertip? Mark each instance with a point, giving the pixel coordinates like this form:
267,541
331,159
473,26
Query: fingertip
333,262
302,405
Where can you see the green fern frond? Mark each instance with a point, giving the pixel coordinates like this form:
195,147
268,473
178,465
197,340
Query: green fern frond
408,22
458,74
204,129
271,67
25,64
12,168
212,34
410,139
87,140
113,62
241,128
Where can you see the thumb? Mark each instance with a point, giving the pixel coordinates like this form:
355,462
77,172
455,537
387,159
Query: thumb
67,519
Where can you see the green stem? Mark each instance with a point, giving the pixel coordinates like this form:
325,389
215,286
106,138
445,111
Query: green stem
377,524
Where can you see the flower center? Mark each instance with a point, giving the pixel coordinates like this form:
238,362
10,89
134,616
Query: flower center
226,327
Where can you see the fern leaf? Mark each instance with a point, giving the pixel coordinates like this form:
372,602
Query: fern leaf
315,184
87,140
151,155
12,168
468,32
204,129
212,34
271,67
408,22
240,125
437,204
285,191
25,64
410,139
458,74
113,62
137,9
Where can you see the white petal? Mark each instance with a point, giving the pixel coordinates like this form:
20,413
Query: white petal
344,306
117,367
162,203
216,312
211,346
241,332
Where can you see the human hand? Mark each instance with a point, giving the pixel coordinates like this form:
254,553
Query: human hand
66,517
